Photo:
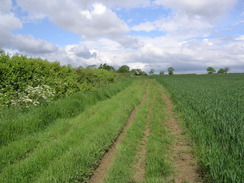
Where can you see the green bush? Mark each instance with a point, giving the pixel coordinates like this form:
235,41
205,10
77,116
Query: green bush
17,123
20,74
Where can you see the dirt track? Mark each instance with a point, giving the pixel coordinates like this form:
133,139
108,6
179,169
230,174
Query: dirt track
183,161
107,159
183,164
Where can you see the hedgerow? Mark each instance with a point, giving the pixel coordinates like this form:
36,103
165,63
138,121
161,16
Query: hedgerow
30,81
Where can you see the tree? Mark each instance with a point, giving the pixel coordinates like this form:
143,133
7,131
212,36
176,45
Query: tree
226,70
171,70
106,67
124,69
161,73
211,70
151,72
2,52
221,71
138,72
91,66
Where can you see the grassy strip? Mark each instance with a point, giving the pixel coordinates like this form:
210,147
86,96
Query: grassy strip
17,124
22,148
157,161
122,169
72,156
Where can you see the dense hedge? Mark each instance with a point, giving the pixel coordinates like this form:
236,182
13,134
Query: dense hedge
16,123
27,81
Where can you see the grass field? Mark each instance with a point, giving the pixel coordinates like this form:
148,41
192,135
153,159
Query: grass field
67,140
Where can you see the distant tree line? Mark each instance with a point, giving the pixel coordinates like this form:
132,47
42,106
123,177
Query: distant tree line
126,69
224,70
121,69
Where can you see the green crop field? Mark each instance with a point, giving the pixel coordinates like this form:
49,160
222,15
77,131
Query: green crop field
67,140
213,109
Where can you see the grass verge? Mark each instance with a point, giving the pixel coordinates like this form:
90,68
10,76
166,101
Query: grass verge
72,155
16,124
158,165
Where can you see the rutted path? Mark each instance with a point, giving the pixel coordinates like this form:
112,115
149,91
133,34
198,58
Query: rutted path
154,153
139,175
140,165
183,161
105,163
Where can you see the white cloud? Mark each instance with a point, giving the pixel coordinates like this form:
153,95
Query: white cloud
129,42
209,9
26,43
5,6
9,22
99,9
192,56
92,21
146,26
189,56
105,37
83,51
180,26
29,44
189,18
115,3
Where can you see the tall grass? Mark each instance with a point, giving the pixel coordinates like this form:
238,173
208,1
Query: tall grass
69,152
16,124
212,106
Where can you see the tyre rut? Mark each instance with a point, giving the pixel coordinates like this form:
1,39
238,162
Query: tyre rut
106,161
183,161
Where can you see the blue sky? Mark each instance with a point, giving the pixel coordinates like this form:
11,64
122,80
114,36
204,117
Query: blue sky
188,35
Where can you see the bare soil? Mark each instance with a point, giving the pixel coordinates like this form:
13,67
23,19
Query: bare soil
183,161
106,161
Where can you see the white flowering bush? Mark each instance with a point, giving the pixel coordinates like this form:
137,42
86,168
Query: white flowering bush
33,96
22,80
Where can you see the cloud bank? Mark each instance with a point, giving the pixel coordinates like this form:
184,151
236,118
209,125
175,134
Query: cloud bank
188,35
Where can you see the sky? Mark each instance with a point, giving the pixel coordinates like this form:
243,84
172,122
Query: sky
189,35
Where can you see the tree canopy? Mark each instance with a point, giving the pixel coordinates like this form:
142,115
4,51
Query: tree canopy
124,69
106,67
224,70
161,73
211,70
138,72
151,72
171,70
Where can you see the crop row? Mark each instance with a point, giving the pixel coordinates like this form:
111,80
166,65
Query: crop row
212,107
